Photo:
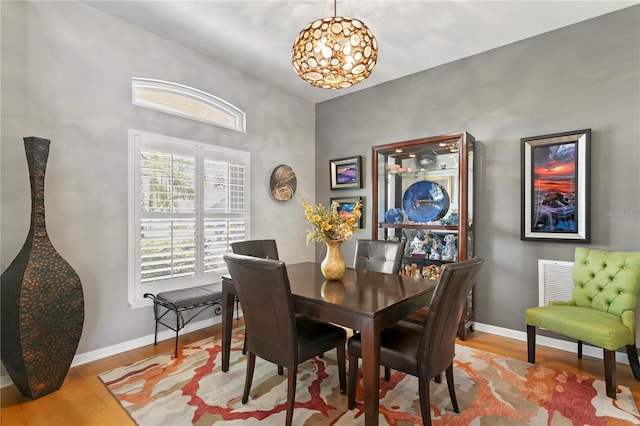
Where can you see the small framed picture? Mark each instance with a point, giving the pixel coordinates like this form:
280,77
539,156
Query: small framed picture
555,186
346,206
346,173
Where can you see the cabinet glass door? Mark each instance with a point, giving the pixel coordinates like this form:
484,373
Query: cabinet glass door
423,195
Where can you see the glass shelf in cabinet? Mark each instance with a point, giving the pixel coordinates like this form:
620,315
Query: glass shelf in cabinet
449,228
435,173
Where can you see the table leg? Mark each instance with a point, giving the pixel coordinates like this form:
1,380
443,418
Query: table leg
371,371
228,299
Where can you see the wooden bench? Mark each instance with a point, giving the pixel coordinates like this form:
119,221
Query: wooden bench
179,301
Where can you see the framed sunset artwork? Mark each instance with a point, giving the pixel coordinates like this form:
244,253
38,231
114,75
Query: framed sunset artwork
555,186
346,206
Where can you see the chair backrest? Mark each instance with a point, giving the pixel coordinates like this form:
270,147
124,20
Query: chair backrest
379,256
608,281
265,295
266,249
437,345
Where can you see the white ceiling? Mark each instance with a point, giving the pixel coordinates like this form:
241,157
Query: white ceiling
257,36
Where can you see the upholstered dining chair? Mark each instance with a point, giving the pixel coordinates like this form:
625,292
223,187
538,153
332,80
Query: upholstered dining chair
379,256
601,312
426,350
276,334
266,249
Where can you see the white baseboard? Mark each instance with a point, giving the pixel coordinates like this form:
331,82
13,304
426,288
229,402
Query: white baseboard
169,334
127,346
549,342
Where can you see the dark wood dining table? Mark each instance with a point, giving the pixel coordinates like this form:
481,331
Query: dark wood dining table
362,300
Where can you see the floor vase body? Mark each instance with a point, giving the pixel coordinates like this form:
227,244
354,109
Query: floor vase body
42,310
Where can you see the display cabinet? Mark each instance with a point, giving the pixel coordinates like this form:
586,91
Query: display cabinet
423,195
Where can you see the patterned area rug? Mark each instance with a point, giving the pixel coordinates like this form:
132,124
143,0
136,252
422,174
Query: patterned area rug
491,390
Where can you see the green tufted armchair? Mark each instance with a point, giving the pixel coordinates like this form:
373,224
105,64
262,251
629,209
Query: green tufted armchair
602,312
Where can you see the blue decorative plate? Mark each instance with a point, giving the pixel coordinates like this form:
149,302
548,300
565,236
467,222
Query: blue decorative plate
425,201
394,216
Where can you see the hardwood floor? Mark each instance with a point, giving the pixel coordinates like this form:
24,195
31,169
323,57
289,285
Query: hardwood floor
84,401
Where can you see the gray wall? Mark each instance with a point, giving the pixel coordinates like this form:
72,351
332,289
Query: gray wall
583,76
66,76
66,72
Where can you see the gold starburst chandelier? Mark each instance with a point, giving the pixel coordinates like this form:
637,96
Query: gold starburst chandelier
334,53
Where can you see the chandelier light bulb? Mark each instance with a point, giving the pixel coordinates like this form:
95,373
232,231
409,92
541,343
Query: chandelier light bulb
334,53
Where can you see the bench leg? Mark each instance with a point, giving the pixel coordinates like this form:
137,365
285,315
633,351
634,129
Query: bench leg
155,314
178,317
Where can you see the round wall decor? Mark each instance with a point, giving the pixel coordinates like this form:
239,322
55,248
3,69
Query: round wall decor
283,183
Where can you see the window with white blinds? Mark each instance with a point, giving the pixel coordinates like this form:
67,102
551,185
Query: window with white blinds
189,202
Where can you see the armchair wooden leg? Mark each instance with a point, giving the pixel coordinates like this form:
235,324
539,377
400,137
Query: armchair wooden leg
610,372
387,374
579,349
531,343
632,353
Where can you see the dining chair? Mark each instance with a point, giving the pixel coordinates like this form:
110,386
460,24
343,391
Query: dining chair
379,256
602,311
265,249
275,333
427,350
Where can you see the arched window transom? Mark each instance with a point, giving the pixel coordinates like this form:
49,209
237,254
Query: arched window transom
184,101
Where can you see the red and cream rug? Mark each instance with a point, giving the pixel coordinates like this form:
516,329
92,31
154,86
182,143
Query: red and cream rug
491,390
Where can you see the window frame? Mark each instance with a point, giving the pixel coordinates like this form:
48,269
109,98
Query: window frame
200,151
206,101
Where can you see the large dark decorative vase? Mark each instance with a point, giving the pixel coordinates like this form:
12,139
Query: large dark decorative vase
42,301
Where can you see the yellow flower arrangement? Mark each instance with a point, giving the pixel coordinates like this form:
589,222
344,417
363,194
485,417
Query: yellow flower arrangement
329,224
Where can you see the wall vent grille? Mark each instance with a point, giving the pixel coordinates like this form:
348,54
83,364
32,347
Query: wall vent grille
555,281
